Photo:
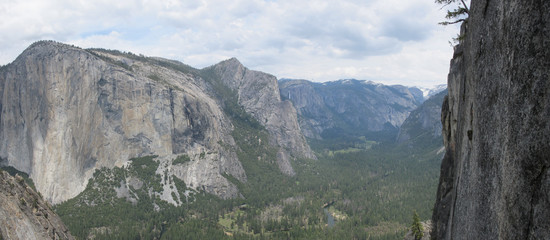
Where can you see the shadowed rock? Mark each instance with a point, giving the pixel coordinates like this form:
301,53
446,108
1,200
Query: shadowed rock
495,176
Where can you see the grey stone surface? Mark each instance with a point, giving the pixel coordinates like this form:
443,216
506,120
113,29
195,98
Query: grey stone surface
24,214
495,175
258,93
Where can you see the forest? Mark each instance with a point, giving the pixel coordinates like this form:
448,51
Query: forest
370,189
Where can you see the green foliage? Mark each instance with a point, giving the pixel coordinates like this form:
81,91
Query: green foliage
194,229
181,159
154,77
13,171
145,168
112,61
375,188
374,185
416,227
456,14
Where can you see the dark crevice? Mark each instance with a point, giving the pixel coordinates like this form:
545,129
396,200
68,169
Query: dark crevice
537,185
171,92
485,8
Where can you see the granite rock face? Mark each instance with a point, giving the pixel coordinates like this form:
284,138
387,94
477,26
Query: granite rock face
495,176
258,93
66,112
350,107
24,214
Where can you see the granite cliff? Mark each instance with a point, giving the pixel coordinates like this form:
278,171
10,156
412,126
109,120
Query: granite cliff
66,112
24,214
423,122
350,107
495,176
259,94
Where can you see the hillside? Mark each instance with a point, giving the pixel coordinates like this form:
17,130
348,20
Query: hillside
424,122
24,214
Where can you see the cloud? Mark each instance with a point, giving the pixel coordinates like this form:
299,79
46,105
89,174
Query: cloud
317,39
409,24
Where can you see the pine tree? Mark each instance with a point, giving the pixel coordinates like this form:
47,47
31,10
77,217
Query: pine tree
416,227
457,13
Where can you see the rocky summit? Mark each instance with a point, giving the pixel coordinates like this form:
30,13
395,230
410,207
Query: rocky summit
66,112
495,176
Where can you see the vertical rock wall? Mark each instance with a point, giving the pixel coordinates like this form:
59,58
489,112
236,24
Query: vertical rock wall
495,177
66,112
258,93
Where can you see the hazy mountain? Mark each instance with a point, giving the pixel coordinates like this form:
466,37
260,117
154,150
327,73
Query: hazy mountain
350,107
424,123
428,92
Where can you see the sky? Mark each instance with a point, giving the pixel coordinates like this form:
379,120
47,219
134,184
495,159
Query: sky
386,41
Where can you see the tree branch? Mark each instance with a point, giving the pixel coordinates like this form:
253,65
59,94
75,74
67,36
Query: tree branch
457,21
465,7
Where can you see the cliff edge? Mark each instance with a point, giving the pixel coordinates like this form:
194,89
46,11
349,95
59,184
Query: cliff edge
24,214
495,180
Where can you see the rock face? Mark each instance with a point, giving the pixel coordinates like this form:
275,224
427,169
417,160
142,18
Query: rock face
23,213
350,107
258,93
495,176
425,120
66,111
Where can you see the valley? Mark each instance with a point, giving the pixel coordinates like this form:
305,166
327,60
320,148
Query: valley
109,144
220,152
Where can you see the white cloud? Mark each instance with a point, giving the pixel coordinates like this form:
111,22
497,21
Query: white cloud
388,41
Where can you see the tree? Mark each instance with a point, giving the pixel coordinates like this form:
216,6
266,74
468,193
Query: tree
457,13
416,227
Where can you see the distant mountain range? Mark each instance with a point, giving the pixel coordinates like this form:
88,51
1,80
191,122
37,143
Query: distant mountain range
428,92
352,107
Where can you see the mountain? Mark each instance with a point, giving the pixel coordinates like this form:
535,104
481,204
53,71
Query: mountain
24,214
495,176
259,94
350,107
67,112
428,92
423,122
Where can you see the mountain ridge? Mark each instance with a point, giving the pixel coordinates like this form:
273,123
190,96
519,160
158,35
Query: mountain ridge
24,214
350,107
67,111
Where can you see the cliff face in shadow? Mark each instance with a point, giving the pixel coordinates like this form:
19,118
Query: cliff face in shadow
495,180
